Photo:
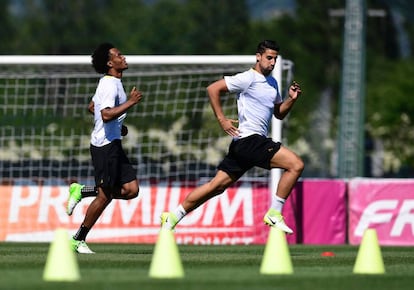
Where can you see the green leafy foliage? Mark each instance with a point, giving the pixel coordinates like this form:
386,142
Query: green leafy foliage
309,36
390,111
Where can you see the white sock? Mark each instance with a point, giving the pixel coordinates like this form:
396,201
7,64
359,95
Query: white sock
278,203
180,212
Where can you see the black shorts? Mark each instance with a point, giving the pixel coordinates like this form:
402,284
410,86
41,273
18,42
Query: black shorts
112,166
245,153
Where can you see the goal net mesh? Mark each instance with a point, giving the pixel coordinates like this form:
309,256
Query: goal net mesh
172,132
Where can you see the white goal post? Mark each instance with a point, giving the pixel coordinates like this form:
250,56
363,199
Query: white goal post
45,126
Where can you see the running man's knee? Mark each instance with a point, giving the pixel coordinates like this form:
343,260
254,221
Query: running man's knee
299,165
128,191
131,192
295,166
135,193
221,182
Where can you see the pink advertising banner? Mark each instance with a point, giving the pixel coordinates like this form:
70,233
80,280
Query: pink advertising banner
33,213
387,205
317,212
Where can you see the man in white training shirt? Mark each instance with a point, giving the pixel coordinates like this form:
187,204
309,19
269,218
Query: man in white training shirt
114,175
258,99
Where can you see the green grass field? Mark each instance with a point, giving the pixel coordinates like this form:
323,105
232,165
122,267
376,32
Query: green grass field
126,266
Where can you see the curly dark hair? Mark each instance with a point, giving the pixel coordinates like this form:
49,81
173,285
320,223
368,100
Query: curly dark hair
267,44
100,57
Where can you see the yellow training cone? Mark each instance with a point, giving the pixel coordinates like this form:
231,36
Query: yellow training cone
166,262
369,258
61,263
276,257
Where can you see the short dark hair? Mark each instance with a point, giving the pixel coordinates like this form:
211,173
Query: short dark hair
100,57
267,44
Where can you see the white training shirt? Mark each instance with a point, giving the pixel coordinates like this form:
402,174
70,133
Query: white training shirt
256,98
109,93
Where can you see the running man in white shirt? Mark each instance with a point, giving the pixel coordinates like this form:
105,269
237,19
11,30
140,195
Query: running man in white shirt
114,175
258,99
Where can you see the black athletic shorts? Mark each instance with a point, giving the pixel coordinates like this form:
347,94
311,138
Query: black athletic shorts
112,166
245,153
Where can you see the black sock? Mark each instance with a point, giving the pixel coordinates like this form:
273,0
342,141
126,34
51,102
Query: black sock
88,190
82,233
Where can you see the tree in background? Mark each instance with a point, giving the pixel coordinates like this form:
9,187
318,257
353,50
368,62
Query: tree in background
313,39
56,27
310,37
161,27
390,114
6,29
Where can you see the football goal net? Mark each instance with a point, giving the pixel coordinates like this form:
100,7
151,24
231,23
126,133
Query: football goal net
173,134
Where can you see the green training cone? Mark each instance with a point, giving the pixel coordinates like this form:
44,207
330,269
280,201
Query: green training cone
369,258
166,262
276,257
61,263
